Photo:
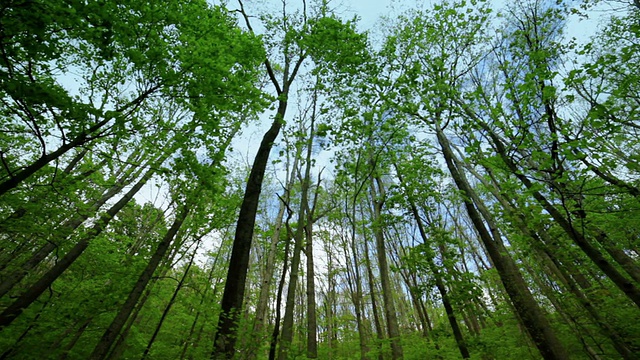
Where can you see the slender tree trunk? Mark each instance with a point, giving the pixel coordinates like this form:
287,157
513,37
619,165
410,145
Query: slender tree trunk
187,341
232,298
121,344
442,289
330,301
446,302
63,182
74,340
267,278
378,197
171,302
285,264
627,263
7,227
418,304
26,331
287,325
374,304
108,338
355,287
312,321
566,273
625,285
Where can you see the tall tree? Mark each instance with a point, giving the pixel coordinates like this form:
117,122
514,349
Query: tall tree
232,298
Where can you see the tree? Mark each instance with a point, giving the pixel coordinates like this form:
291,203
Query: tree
300,39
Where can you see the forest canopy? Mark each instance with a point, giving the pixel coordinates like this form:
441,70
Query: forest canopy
460,181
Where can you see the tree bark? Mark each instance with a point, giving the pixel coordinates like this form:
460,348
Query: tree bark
287,326
312,321
101,350
267,277
233,296
374,303
285,265
170,303
378,197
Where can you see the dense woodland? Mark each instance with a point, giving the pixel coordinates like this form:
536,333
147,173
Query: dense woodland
461,181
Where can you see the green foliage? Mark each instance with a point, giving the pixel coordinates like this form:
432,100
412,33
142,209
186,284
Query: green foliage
328,40
96,93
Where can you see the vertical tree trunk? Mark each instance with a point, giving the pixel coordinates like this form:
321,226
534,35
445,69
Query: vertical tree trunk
269,267
171,302
312,321
356,294
374,304
378,197
330,303
287,325
440,285
285,264
187,341
101,350
233,296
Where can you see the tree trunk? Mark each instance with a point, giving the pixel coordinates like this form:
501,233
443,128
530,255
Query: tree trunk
171,302
16,179
9,352
287,325
312,321
374,303
108,338
378,197
187,341
285,264
330,303
233,296
355,286
121,344
74,340
451,317
267,278
442,289
626,286
566,274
